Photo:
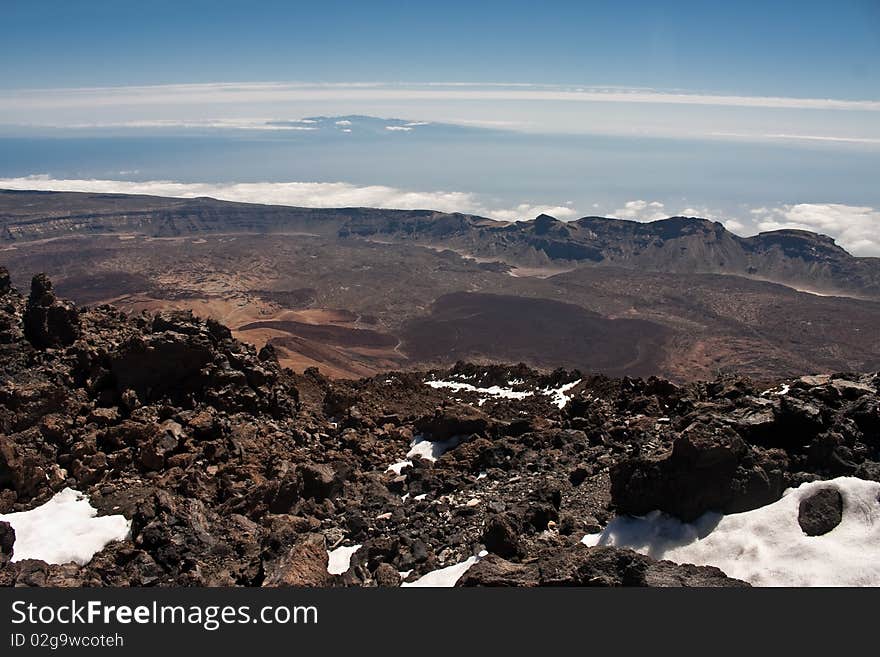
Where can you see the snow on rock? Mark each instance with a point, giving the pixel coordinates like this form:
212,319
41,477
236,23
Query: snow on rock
64,529
430,449
558,394
396,468
766,546
445,577
492,391
426,449
340,559
559,398
783,390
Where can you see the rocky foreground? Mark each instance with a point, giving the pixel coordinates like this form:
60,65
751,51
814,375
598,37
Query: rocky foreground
235,472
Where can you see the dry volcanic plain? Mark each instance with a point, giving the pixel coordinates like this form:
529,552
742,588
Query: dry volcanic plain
356,292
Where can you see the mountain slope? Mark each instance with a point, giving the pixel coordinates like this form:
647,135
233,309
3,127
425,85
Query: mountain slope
357,292
799,259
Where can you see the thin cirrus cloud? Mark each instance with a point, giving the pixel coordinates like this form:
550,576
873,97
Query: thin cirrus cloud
528,108
300,194
248,92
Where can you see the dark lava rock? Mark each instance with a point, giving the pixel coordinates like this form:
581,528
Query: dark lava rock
869,470
49,322
5,280
386,576
304,564
319,481
501,537
820,512
707,470
230,478
597,566
458,420
7,541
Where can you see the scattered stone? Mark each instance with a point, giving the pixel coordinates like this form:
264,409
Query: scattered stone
501,537
304,564
230,478
7,542
386,576
820,512
49,322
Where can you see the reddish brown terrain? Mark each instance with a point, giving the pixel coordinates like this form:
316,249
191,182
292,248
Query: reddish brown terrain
357,292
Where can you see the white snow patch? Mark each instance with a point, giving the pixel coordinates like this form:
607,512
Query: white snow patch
397,467
339,559
558,394
431,449
445,577
343,122
766,546
398,128
782,390
426,449
419,498
493,391
64,529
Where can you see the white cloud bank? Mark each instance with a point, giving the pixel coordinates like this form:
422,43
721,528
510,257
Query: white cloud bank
829,122
300,194
856,228
641,210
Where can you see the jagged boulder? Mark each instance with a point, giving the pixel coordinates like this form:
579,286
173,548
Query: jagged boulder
501,536
303,564
451,421
708,469
5,281
48,321
597,566
7,542
820,512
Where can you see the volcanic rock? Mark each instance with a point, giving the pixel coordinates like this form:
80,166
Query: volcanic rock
49,322
501,537
304,564
7,541
451,421
820,512
386,576
598,566
230,479
708,469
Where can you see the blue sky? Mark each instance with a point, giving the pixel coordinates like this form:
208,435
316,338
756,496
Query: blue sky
762,115
825,49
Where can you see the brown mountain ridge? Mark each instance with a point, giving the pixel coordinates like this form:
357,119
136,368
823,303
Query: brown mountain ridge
358,291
